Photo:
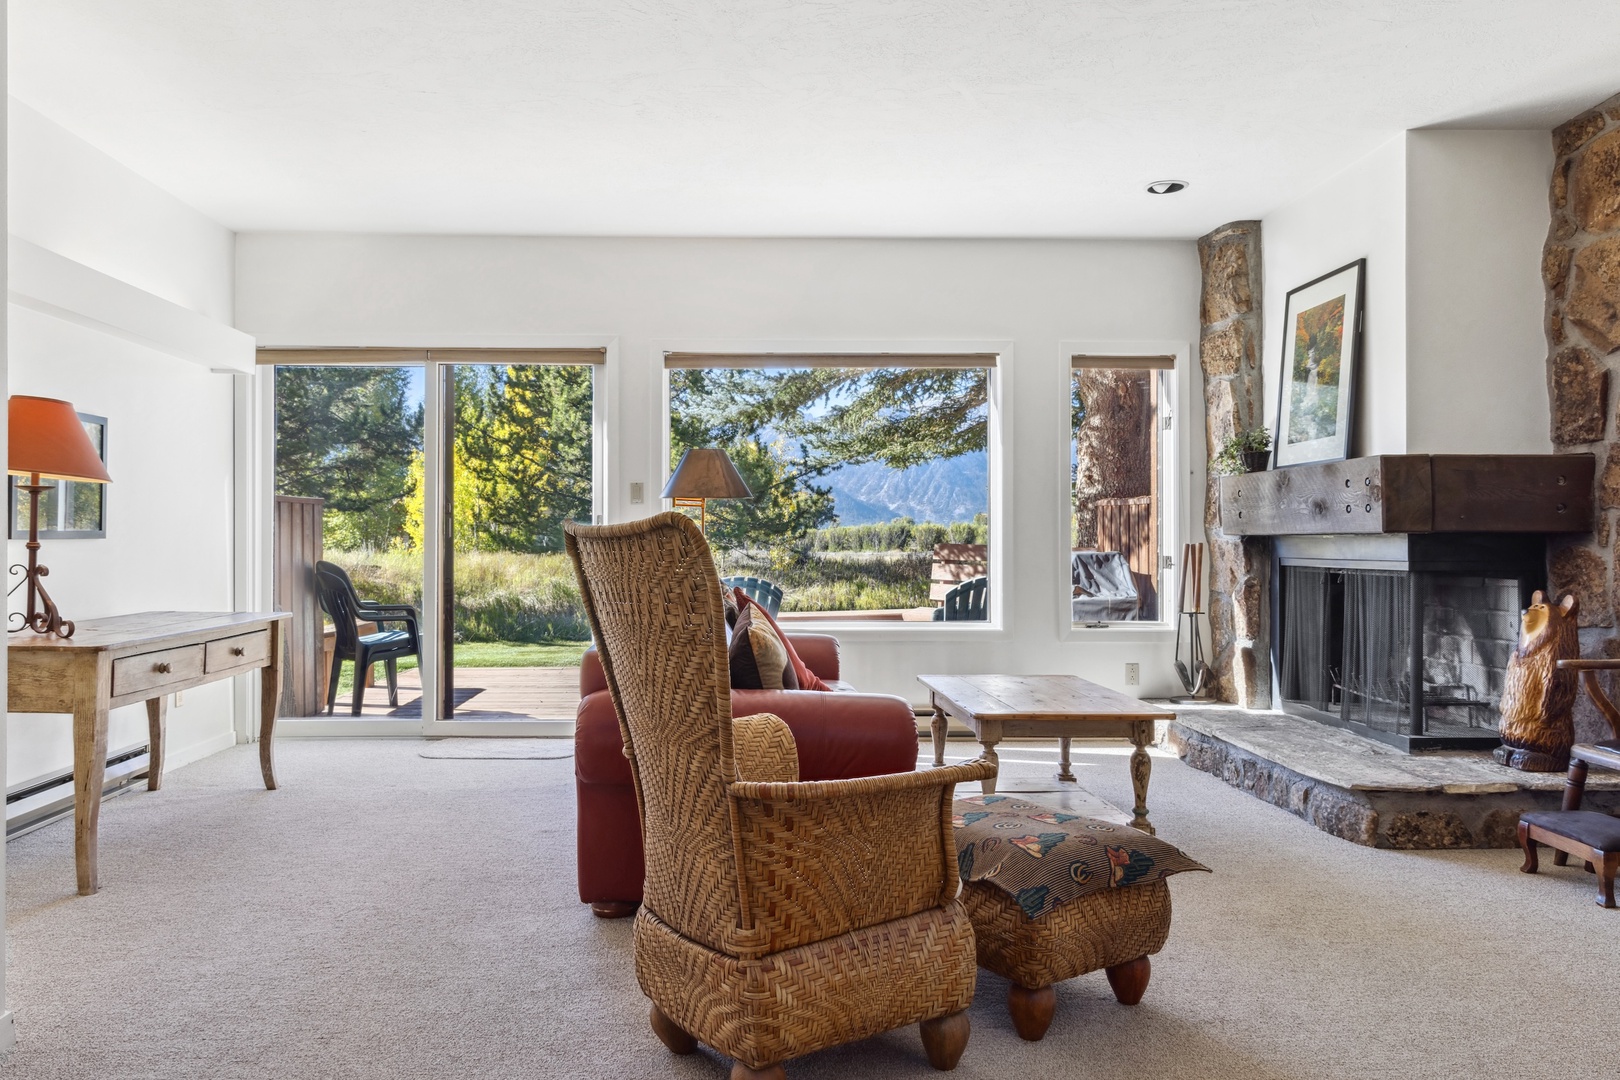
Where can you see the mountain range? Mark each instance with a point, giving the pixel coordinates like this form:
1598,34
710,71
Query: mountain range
938,491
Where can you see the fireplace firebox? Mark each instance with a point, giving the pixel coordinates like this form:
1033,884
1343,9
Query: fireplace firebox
1404,639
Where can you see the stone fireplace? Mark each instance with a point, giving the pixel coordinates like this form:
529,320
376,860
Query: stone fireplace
1397,583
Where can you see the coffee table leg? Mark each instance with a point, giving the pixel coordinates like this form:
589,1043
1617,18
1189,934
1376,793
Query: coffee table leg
1141,769
988,784
1065,774
939,725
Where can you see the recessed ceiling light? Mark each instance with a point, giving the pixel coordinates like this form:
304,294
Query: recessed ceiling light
1166,187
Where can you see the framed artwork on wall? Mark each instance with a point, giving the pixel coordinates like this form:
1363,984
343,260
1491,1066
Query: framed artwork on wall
1321,355
69,510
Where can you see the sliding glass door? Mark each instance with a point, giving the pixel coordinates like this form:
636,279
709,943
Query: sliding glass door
519,462
439,489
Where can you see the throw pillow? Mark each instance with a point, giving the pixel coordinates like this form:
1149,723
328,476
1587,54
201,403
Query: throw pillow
807,679
732,611
758,659
1043,857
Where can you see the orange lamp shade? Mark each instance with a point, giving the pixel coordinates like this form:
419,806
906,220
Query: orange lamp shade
46,437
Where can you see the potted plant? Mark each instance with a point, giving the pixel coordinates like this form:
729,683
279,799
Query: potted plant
1247,451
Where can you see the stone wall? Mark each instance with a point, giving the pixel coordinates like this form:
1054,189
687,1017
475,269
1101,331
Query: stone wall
1229,352
1581,267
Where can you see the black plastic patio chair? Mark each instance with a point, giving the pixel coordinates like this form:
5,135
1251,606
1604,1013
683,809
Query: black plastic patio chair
346,610
767,595
966,601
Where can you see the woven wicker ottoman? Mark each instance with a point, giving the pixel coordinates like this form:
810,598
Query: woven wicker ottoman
1053,895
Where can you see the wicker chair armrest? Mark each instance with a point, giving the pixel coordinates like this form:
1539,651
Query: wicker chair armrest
821,858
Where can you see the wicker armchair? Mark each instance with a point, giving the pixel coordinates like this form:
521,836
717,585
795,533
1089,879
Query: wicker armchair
779,917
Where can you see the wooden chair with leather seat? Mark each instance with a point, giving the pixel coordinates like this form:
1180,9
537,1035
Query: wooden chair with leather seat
1587,834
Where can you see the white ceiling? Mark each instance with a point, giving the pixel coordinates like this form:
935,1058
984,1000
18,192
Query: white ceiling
784,117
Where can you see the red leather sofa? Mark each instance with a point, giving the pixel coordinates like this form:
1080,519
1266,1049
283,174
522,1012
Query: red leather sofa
840,735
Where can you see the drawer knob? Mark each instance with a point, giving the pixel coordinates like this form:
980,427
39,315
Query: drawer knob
237,650
162,669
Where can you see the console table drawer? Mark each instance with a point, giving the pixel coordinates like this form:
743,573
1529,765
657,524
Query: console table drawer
234,652
155,670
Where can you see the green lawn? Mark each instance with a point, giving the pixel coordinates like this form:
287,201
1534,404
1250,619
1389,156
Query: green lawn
479,654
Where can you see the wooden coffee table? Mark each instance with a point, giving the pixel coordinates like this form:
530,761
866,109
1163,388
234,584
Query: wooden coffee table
996,707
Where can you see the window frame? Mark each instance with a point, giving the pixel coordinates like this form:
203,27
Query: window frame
256,447
999,397
1180,477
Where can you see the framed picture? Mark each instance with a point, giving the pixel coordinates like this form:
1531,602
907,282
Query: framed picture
1321,354
68,510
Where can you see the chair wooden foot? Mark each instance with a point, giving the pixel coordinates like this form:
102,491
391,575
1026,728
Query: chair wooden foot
1605,876
614,909
1130,980
1031,1010
944,1038
739,1071
671,1034
1528,846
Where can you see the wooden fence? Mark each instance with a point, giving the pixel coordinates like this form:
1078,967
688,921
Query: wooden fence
1131,527
297,549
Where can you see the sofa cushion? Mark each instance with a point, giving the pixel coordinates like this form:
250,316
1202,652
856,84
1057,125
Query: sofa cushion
758,656
805,678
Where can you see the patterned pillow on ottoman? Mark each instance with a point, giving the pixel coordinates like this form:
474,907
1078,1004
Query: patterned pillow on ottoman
1053,895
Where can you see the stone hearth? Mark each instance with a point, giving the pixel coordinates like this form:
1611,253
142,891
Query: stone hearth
1367,792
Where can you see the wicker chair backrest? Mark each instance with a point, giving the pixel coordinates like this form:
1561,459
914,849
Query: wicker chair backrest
653,599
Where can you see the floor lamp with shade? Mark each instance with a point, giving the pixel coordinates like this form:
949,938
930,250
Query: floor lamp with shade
47,441
703,474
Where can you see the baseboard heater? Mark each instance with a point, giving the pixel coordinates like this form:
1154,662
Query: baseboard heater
37,803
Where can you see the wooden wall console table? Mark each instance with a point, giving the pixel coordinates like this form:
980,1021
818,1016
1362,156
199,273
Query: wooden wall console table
129,658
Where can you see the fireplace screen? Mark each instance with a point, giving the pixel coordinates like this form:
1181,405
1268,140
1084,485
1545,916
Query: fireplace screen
1355,643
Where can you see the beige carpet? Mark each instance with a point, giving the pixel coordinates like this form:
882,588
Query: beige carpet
386,915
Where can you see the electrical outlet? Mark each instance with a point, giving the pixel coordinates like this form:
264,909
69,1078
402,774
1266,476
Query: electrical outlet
638,493
1133,674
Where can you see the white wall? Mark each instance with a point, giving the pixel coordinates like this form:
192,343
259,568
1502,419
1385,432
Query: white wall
323,289
1451,223
1476,351
169,421
1360,213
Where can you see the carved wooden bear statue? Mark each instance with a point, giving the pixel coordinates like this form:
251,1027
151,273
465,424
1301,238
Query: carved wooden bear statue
1538,702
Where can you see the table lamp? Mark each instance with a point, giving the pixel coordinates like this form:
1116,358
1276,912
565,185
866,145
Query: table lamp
701,475
47,441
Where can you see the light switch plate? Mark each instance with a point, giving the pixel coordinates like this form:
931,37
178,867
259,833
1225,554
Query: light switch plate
638,493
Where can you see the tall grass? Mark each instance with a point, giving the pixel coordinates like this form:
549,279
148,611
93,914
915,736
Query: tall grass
522,597
901,534
837,581
500,595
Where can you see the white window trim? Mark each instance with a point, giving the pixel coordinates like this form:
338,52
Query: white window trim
999,426
255,505
1180,482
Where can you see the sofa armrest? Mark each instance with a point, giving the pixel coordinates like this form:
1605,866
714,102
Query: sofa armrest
819,653
591,676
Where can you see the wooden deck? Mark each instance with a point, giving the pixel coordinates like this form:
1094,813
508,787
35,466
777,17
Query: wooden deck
925,614
482,694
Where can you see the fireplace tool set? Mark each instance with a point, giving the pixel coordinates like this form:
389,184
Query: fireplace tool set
1194,671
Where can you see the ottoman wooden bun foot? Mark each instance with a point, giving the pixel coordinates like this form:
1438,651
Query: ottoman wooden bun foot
944,1038
1130,980
1031,1010
739,1071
